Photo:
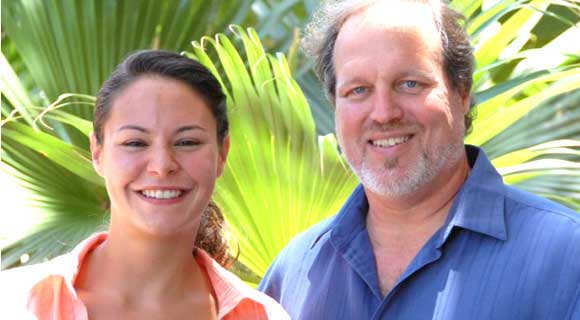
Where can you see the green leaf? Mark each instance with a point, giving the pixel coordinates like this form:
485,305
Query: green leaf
70,157
12,90
493,119
522,20
277,174
280,177
559,147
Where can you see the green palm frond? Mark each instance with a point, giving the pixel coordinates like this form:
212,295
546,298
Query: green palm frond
63,196
503,109
279,178
73,46
279,174
527,90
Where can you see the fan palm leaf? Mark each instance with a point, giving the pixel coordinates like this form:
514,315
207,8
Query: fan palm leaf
296,179
281,177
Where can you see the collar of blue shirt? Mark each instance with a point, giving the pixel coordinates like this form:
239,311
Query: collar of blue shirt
482,193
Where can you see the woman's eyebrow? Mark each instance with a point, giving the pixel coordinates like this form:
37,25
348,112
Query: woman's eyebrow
132,127
192,127
141,129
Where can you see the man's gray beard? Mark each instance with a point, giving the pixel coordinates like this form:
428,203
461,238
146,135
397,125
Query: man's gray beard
384,182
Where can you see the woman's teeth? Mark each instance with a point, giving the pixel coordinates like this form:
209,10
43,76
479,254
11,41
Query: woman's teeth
161,194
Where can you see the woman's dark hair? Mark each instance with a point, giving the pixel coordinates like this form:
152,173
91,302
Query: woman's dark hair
212,231
167,64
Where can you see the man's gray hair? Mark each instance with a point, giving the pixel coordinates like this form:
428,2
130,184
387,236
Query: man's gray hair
321,33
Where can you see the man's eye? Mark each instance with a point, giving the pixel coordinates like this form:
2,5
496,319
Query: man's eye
412,84
359,90
134,144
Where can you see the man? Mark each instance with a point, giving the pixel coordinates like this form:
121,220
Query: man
432,232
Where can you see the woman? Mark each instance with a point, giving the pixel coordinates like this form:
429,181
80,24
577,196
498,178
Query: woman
160,142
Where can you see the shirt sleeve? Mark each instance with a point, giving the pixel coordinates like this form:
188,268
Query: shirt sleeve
575,307
15,286
250,310
272,281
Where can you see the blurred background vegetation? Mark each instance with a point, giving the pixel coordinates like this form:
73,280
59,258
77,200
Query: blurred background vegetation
284,171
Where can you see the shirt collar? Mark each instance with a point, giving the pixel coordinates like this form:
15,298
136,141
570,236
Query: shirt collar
478,206
351,218
69,265
228,288
57,277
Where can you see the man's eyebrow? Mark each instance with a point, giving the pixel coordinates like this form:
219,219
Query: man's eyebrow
348,80
418,73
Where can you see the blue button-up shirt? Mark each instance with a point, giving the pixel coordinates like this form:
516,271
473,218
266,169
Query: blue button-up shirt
501,254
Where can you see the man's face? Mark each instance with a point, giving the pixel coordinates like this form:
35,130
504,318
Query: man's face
399,122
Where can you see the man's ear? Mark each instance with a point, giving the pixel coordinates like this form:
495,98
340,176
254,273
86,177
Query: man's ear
223,155
96,149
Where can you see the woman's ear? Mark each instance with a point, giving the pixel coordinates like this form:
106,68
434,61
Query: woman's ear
466,101
96,149
223,155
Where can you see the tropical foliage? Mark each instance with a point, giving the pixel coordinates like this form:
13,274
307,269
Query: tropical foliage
281,177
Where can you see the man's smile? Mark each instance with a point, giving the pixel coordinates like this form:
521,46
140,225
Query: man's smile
390,142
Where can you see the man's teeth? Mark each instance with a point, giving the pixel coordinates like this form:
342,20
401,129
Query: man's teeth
390,141
161,194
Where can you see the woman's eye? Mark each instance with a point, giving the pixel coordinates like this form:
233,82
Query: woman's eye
187,143
134,144
412,84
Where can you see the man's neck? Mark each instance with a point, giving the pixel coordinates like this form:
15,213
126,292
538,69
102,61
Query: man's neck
428,203
399,228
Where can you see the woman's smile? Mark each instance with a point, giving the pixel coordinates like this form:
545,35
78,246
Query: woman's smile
160,156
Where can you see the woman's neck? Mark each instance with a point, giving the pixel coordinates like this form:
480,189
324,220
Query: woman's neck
135,269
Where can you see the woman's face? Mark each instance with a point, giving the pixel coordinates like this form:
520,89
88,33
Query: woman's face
160,157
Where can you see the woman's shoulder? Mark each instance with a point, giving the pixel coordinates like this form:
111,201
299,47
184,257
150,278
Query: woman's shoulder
18,283
25,277
251,309
257,305
237,299
65,265
34,287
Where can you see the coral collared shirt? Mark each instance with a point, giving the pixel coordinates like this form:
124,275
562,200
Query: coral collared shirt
46,291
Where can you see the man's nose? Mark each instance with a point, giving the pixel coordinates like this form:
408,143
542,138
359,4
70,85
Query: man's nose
162,162
385,107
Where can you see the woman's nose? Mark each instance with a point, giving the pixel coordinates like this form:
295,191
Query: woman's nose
162,162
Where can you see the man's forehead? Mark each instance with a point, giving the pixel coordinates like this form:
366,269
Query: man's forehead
396,14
